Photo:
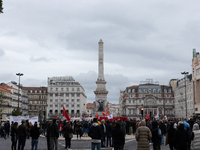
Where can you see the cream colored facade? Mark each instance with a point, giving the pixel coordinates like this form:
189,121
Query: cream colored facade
196,81
179,98
5,101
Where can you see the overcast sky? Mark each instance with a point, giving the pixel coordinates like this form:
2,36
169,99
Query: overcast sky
142,39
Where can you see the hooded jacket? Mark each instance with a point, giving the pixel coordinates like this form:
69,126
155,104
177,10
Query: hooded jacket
95,133
156,139
195,143
143,135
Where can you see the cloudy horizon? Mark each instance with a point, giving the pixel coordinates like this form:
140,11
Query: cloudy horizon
142,40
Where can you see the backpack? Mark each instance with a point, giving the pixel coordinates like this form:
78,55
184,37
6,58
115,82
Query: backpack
159,132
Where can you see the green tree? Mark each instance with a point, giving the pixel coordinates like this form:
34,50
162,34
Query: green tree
17,112
1,6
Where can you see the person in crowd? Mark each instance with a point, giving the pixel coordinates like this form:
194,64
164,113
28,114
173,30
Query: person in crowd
156,135
34,133
118,137
123,126
7,128
143,135
103,130
61,128
181,137
127,125
78,128
96,134
14,136
108,132
186,125
85,128
67,132
171,136
3,132
130,127
44,126
22,136
54,135
134,126
163,130
195,138
48,136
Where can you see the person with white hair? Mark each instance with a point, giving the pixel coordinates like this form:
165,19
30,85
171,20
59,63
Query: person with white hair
195,139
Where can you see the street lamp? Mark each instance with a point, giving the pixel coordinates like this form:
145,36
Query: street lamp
185,75
19,74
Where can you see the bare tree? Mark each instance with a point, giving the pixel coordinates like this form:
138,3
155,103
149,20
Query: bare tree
1,6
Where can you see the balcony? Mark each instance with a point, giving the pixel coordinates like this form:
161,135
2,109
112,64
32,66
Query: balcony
17,93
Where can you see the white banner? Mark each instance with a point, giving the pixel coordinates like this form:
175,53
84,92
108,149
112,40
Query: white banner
18,119
33,120
110,117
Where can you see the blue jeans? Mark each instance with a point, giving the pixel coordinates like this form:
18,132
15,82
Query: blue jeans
43,131
103,139
34,143
109,139
162,140
95,144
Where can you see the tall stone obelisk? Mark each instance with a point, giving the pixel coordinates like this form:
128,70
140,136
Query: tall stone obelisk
100,102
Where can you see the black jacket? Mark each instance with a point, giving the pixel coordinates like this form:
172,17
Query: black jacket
156,139
162,127
22,131
34,132
54,130
108,129
171,134
118,136
102,128
14,135
95,131
67,130
181,137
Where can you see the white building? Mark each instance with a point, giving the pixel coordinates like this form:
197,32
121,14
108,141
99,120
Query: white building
65,91
179,98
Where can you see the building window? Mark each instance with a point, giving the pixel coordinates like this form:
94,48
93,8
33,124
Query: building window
34,107
129,111
78,89
67,105
72,89
30,102
56,89
61,105
61,100
72,100
35,102
61,89
78,105
129,101
67,95
51,105
67,100
61,94
56,105
78,95
39,91
51,95
51,100
72,105
31,91
72,95
78,100
56,94
30,107
35,91
35,96
56,100
67,89
133,101
139,101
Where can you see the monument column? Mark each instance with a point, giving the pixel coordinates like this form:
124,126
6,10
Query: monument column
100,93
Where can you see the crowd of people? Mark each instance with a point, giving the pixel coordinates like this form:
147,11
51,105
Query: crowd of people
181,135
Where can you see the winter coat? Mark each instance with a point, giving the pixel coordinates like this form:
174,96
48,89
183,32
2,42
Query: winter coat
123,126
54,130
67,130
162,128
14,135
171,134
108,129
34,132
78,126
95,133
143,135
195,143
22,131
181,137
156,139
85,127
118,136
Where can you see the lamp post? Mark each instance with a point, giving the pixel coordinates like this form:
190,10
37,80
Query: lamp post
19,74
185,75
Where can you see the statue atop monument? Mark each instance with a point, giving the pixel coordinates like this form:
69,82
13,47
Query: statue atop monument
100,102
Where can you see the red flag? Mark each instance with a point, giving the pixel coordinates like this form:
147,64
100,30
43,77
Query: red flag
55,117
164,117
97,116
65,114
75,116
103,114
86,116
106,111
147,117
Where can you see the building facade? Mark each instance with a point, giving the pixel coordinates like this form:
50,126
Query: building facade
65,91
37,101
5,102
89,109
152,97
182,97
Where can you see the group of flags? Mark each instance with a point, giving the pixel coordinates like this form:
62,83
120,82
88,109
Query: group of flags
157,116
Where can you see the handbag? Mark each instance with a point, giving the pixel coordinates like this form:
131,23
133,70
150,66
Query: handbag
71,135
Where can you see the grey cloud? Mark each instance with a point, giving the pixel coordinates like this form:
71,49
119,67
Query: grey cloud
39,59
2,53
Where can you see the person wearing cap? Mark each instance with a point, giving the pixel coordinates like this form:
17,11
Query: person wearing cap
181,137
22,136
96,134
143,135
34,133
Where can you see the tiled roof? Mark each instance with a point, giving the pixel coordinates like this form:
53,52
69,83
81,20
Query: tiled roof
35,88
133,87
4,89
8,87
89,105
